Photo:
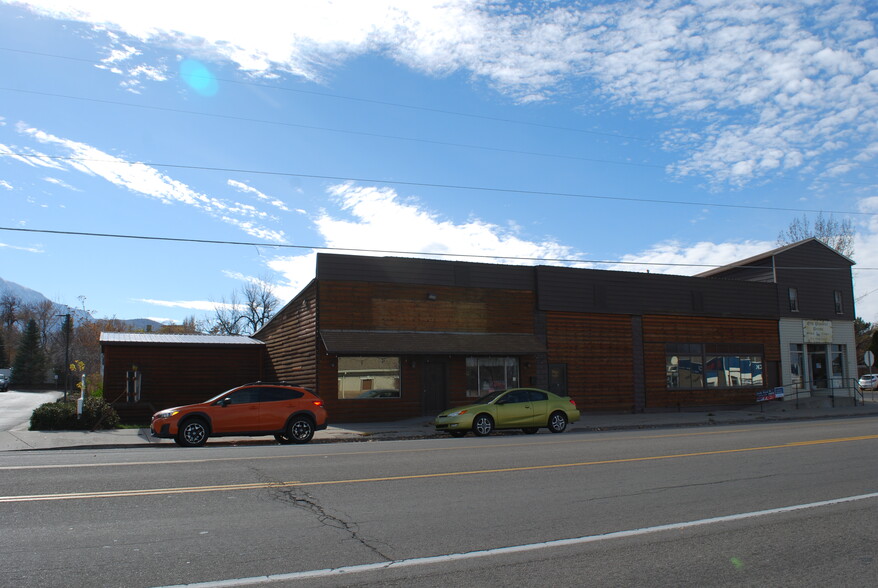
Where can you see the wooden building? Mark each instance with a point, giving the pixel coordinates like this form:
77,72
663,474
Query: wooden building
382,338
144,373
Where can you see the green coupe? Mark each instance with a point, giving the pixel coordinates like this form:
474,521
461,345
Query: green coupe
527,409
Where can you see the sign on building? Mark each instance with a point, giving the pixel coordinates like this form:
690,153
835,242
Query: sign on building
817,331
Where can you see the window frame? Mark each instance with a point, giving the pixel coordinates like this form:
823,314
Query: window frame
700,357
794,299
380,377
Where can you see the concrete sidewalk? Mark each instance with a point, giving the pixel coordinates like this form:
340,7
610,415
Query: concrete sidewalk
19,438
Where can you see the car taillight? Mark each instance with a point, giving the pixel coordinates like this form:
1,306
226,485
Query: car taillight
573,402
317,402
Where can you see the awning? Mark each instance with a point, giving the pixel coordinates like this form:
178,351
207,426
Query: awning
429,343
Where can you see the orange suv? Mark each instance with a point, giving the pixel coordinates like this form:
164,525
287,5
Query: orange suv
291,413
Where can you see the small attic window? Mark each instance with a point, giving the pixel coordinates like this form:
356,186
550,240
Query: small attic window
794,300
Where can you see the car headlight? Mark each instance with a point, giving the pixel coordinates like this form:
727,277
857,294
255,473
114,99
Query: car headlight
455,414
166,414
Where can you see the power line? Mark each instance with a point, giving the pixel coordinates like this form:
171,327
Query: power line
394,252
331,129
365,100
493,189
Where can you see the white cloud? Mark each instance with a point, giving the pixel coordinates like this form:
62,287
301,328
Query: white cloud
689,259
379,223
6,185
794,75
20,248
148,181
200,305
247,189
61,183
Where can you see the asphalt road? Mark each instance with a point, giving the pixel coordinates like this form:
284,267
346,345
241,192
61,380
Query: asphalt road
17,407
788,504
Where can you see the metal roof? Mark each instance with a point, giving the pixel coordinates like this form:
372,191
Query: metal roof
163,339
429,343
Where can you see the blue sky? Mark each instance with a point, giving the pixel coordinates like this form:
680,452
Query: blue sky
668,135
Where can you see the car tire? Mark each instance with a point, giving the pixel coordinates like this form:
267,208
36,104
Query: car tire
530,430
457,433
300,430
192,433
483,424
557,422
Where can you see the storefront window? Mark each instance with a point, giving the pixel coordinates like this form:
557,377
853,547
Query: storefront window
797,365
684,371
693,365
724,371
368,377
837,363
489,374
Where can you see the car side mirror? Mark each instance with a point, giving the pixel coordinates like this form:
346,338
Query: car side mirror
225,401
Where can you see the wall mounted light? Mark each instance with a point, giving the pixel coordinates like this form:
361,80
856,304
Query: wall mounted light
431,296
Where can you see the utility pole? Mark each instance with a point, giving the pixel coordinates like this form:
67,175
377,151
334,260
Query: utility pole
66,353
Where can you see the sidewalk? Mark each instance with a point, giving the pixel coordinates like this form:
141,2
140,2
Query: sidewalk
19,438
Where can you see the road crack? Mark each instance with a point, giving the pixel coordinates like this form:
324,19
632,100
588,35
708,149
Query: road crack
300,498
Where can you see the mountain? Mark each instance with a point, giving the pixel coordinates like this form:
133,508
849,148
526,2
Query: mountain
28,296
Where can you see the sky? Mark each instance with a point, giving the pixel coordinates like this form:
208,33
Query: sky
155,157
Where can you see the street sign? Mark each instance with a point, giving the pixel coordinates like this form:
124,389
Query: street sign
869,358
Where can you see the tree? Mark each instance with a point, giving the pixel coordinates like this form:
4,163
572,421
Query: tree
863,333
838,234
4,353
30,360
189,327
237,317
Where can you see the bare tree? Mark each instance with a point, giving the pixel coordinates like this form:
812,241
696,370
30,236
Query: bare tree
838,234
245,312
10,305
259,304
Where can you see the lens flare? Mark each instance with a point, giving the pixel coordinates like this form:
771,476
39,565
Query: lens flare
198,77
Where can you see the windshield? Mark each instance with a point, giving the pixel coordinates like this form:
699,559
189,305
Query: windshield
489,398
218,396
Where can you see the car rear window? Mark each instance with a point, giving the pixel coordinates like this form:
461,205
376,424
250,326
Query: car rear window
278,394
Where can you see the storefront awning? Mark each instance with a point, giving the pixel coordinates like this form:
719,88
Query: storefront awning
421,343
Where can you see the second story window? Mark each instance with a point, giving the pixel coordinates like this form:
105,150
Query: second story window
839,307
794,300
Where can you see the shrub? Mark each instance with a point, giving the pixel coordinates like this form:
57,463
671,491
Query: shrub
61,416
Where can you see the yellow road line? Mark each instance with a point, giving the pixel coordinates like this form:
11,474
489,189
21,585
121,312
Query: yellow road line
264,485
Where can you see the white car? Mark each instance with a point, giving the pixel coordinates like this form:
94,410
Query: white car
869,381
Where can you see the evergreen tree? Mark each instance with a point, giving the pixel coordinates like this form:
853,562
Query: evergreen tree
4,353
30,360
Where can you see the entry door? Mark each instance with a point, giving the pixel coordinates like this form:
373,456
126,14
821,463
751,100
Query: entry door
435,396
818,368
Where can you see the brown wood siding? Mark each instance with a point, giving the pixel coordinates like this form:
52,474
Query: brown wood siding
382,306
175,374
659,330
598,351
369,409
291,341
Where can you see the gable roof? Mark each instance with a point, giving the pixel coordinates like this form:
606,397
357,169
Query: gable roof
770,254
163,339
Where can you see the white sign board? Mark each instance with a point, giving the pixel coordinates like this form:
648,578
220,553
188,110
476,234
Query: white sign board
817,331
869,358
